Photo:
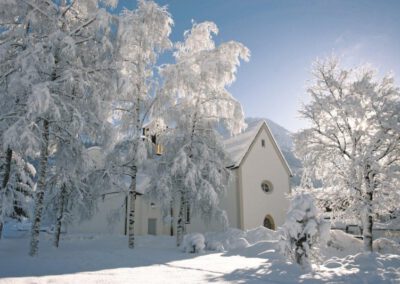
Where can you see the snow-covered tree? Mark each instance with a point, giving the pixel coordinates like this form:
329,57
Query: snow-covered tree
303,230
143,34
353,142
64,51
71,196
12,37
17,189
194,100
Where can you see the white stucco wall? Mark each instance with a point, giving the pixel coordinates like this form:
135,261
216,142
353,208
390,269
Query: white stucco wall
109,217
263,163
229,203
146,211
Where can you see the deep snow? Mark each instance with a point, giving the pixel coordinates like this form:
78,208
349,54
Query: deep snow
249,257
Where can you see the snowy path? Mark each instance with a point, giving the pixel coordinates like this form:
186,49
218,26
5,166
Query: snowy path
157,260
108,261
177,272
185,271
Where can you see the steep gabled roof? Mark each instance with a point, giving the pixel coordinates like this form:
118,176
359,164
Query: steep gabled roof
239,146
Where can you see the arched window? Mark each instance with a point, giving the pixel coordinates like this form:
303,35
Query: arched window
266,186
269,222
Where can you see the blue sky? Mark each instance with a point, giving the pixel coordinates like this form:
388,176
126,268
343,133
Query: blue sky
285,37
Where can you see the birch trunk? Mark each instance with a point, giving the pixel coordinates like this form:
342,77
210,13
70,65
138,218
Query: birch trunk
171,231
60,215
181,224
368,224
132,187
41,186
132,199
6,178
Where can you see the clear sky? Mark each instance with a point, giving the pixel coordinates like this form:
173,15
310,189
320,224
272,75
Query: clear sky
285,37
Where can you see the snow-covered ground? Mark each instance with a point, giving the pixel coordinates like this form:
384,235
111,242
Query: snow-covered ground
251,258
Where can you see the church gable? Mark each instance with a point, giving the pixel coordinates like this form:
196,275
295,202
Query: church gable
238,147
264,182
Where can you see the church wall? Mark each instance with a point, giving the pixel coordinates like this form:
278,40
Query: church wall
260,164
110,215
107,219
229,203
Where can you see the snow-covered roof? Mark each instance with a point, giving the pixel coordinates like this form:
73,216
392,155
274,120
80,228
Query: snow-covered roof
239,145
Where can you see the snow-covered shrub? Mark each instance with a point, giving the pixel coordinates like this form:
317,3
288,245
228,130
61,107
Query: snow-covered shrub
214,245
340,241
233,238
193,243
229,239
386,246
240,243
303,230
261,234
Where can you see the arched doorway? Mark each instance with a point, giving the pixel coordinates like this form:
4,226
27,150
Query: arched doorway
269,222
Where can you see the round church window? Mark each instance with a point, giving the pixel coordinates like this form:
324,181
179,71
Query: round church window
266,186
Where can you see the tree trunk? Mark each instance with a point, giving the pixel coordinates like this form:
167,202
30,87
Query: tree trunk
6,178
368,220
181,224
41,186
368,223
60,215
132,198
132,187
171,231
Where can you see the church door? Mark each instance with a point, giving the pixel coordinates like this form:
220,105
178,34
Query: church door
152,226
269,222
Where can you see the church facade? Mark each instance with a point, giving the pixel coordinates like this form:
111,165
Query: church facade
256,194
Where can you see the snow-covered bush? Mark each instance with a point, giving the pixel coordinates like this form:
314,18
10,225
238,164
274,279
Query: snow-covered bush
261,233
214,245
342,244
229,239
232,238
193,243
303,230
385,246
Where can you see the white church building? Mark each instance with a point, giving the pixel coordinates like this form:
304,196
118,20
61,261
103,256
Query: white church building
256,194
